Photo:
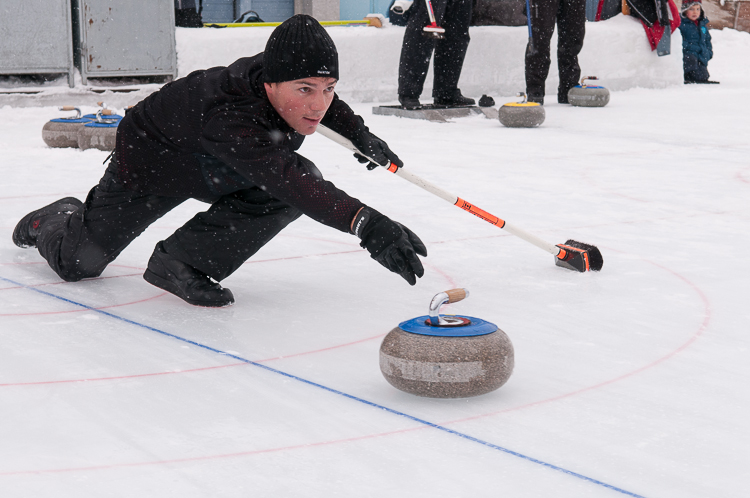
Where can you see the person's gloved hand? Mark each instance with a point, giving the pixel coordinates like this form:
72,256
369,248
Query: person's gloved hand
390,243
375,148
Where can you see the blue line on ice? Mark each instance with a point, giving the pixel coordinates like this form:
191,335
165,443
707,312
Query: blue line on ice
329,389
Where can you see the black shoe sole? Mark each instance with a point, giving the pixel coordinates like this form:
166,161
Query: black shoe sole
448,105
411,106
168,286
25,242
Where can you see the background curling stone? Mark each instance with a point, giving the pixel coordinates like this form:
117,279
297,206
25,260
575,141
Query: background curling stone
100,133
63,132
101,105
446,356
588,95
521,114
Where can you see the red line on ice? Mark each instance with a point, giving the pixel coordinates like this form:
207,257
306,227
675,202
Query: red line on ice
63,282
740,175
703,326
85,309
171,372
208,457
450,280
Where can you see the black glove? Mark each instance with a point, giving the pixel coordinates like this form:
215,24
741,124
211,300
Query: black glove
390,243
375,148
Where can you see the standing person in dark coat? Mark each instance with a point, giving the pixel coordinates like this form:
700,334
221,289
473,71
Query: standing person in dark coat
228,136
696,42
454,16
570,17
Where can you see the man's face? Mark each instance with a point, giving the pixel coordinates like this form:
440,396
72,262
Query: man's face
693,13
302,103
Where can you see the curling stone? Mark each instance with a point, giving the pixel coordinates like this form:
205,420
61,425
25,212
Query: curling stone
63,132
99,133
449,356
584,95
102,106
522,114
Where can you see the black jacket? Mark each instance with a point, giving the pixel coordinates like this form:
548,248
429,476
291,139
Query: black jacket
223,113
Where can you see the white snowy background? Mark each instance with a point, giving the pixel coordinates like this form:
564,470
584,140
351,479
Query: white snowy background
632,381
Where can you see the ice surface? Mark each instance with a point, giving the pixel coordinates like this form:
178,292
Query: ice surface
633,379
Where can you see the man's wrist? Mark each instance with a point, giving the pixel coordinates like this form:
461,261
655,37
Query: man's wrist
360,220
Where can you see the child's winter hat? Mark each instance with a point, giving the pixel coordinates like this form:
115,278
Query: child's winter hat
686,4
300,48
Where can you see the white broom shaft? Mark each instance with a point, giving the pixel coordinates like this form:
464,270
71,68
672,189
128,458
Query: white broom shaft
532,239
453,199
447,196
430,11
424,184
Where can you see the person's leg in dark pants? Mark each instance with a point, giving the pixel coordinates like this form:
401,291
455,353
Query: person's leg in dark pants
695,71
451,51
82,244
542,17
218,241
571,29
416,50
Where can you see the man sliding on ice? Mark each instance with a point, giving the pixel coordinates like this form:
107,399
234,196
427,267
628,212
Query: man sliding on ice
227,136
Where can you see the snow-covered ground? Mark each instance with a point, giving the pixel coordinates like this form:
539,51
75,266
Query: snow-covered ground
628,382
616,49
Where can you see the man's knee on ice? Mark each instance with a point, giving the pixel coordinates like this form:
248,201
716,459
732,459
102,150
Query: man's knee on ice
88,262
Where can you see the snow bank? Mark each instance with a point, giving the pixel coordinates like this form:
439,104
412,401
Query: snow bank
615,50
731,48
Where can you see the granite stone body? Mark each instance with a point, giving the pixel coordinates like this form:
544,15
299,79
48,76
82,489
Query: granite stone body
97,137
527,115
588,96
446,367
59,133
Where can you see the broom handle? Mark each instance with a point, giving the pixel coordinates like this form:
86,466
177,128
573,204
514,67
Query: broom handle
430,12
447,196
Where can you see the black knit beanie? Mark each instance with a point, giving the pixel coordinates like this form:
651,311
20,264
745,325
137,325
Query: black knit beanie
300,48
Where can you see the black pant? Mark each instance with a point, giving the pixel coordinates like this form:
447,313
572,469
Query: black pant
694,69
416,50
216,242
570,16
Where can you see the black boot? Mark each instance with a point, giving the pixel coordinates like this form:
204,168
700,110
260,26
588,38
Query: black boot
409,103
539,99
27,230
184,281
454,99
